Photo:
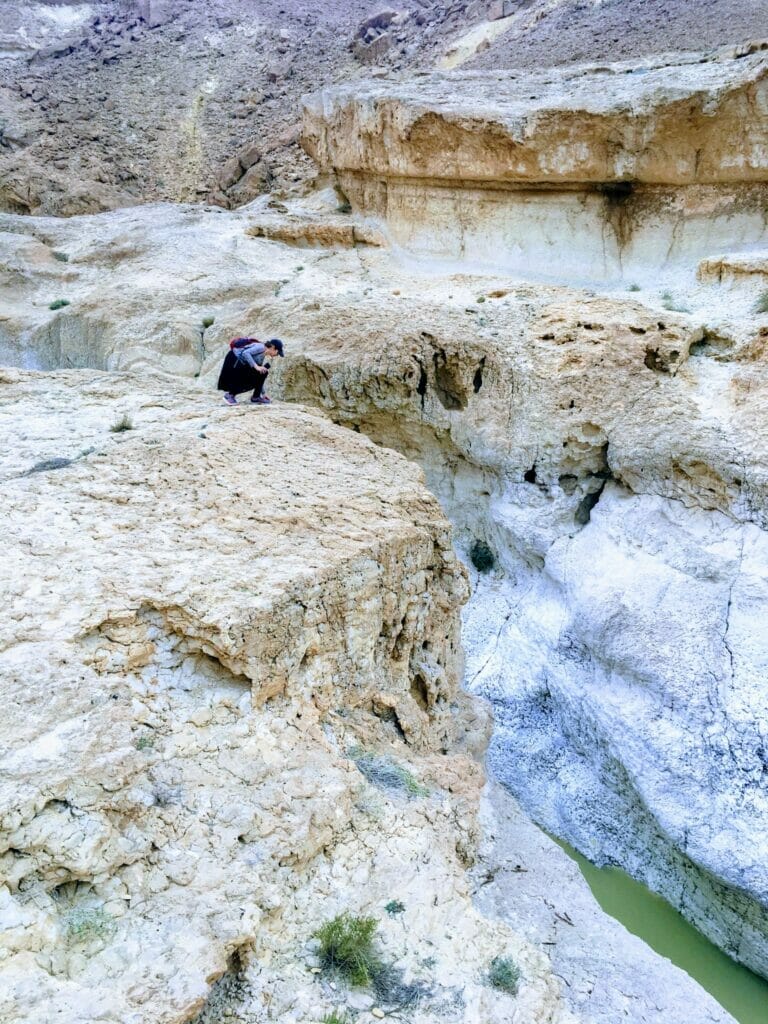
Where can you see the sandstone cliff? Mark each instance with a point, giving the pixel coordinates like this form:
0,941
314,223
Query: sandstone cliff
581,174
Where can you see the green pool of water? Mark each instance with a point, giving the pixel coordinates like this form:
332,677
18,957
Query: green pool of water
743,994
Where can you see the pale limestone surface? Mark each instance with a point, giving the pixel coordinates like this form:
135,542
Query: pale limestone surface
203,614
520,407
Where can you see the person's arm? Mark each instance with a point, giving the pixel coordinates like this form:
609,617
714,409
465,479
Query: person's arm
247,355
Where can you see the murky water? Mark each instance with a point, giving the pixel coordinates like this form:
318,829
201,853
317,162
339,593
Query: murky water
652,919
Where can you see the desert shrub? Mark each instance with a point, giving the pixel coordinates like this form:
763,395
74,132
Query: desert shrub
59,304
382,771
208,321
87,924
481,556
394,907
145,742
124,423
669,303
504,974
347,948
634,288
761,306
390,988
60,256
336,1018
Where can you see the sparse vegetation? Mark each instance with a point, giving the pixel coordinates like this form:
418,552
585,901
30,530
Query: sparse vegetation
395,907
634,288
336,1018
60,256
124,423
59,304
504,974
382,771
347,948
145,741
480,298
761,306
481,556
208,321
83,925
669,303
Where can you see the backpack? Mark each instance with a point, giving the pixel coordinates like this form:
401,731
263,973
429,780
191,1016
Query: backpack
238,343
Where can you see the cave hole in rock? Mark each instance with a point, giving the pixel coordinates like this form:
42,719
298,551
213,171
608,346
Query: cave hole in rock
477,380
420,691
654,361
227,991
421,387
530,475
448,385
584,508
386,713
712,344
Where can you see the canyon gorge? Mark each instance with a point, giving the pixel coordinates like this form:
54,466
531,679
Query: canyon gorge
494,561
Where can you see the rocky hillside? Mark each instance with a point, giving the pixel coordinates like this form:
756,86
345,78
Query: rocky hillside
104,104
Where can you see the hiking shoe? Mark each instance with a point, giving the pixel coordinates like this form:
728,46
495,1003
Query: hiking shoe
261,400
230,399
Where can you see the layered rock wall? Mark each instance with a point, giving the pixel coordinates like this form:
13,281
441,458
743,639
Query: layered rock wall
584,174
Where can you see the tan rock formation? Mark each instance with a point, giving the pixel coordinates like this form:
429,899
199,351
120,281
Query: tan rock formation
600,172
204,611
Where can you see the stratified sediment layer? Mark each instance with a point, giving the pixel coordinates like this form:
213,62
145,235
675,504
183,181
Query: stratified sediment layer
582,174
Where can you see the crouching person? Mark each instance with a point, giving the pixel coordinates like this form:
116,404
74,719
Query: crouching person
246,367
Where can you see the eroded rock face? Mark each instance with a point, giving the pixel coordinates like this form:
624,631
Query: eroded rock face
224,604
580,174
621,491
550,423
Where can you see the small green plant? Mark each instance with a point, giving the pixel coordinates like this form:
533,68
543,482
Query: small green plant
336,1018
669,303
634,288
480,298
347,948
60,256
124,423
145,742
761,306
299,268
208,321
382,771
395,907
59,304
83,925
504,974
481,556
